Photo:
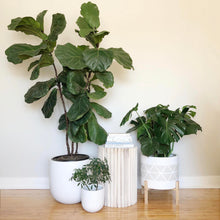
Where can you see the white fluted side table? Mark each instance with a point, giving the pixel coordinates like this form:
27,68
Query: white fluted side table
122,159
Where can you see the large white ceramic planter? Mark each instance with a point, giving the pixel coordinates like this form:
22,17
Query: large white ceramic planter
62,189
160,172
92,201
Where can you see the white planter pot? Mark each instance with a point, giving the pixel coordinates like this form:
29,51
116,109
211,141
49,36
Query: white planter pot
160,172
62,189
92,201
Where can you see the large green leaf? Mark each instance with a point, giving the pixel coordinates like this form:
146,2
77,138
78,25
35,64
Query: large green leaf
83,47
191,126
34,63
96,38
98,59
19,52
98,94
128,115
84,28
80,136
171,130
84,119
73,129
39,90
46,60
79,108
90,12
68,95
73,87
49,104
70,56
75,82
122,57
62,122
35,73
62,77
57,27
100,110
97,134
141,131
106,78
148,146
162,149
28,25
40,19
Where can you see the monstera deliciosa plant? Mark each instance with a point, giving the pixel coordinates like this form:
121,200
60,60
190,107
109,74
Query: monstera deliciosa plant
160,128
83,79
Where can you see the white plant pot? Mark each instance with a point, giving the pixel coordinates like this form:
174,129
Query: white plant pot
62,189
92,201
160,172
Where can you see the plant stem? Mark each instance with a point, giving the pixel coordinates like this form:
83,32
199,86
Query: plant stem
72,148
64,107
77,145
144,126
172,147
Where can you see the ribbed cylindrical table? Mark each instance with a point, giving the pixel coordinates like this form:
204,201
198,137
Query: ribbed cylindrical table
122,159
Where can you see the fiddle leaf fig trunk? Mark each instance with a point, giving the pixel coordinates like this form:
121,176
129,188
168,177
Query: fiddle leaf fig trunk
84,72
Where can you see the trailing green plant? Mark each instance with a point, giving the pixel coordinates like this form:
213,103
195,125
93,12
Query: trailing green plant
92,174
160,128
83,69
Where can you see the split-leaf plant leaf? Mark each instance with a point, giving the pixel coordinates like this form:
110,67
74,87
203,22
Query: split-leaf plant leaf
160,128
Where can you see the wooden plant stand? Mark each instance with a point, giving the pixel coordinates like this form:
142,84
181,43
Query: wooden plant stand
146,192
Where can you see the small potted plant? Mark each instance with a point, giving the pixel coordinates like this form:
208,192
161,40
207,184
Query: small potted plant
157,131
81,82
92,178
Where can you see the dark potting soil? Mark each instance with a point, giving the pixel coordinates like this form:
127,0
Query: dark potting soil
74,157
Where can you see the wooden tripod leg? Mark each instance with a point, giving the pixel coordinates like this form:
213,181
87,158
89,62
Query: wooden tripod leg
177,192
145,192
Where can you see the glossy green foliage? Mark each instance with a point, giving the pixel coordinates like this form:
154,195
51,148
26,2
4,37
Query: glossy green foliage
79,108
97,133
57,27
39,90
40,19
90,13
99,92
27,25
84,76
160,128
93,174
122,57
70,56
98,59
106,78
50,103
128,115
19,52
100,110
30,26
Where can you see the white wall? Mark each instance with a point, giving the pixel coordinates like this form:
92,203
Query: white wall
175,47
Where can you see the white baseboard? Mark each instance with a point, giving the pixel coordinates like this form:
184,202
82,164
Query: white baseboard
43,182
199,182
24,183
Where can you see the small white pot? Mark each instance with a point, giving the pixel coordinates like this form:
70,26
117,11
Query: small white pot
92,201
62,189
160,172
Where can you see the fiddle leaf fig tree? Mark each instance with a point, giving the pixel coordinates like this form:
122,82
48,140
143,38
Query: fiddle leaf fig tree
84,76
